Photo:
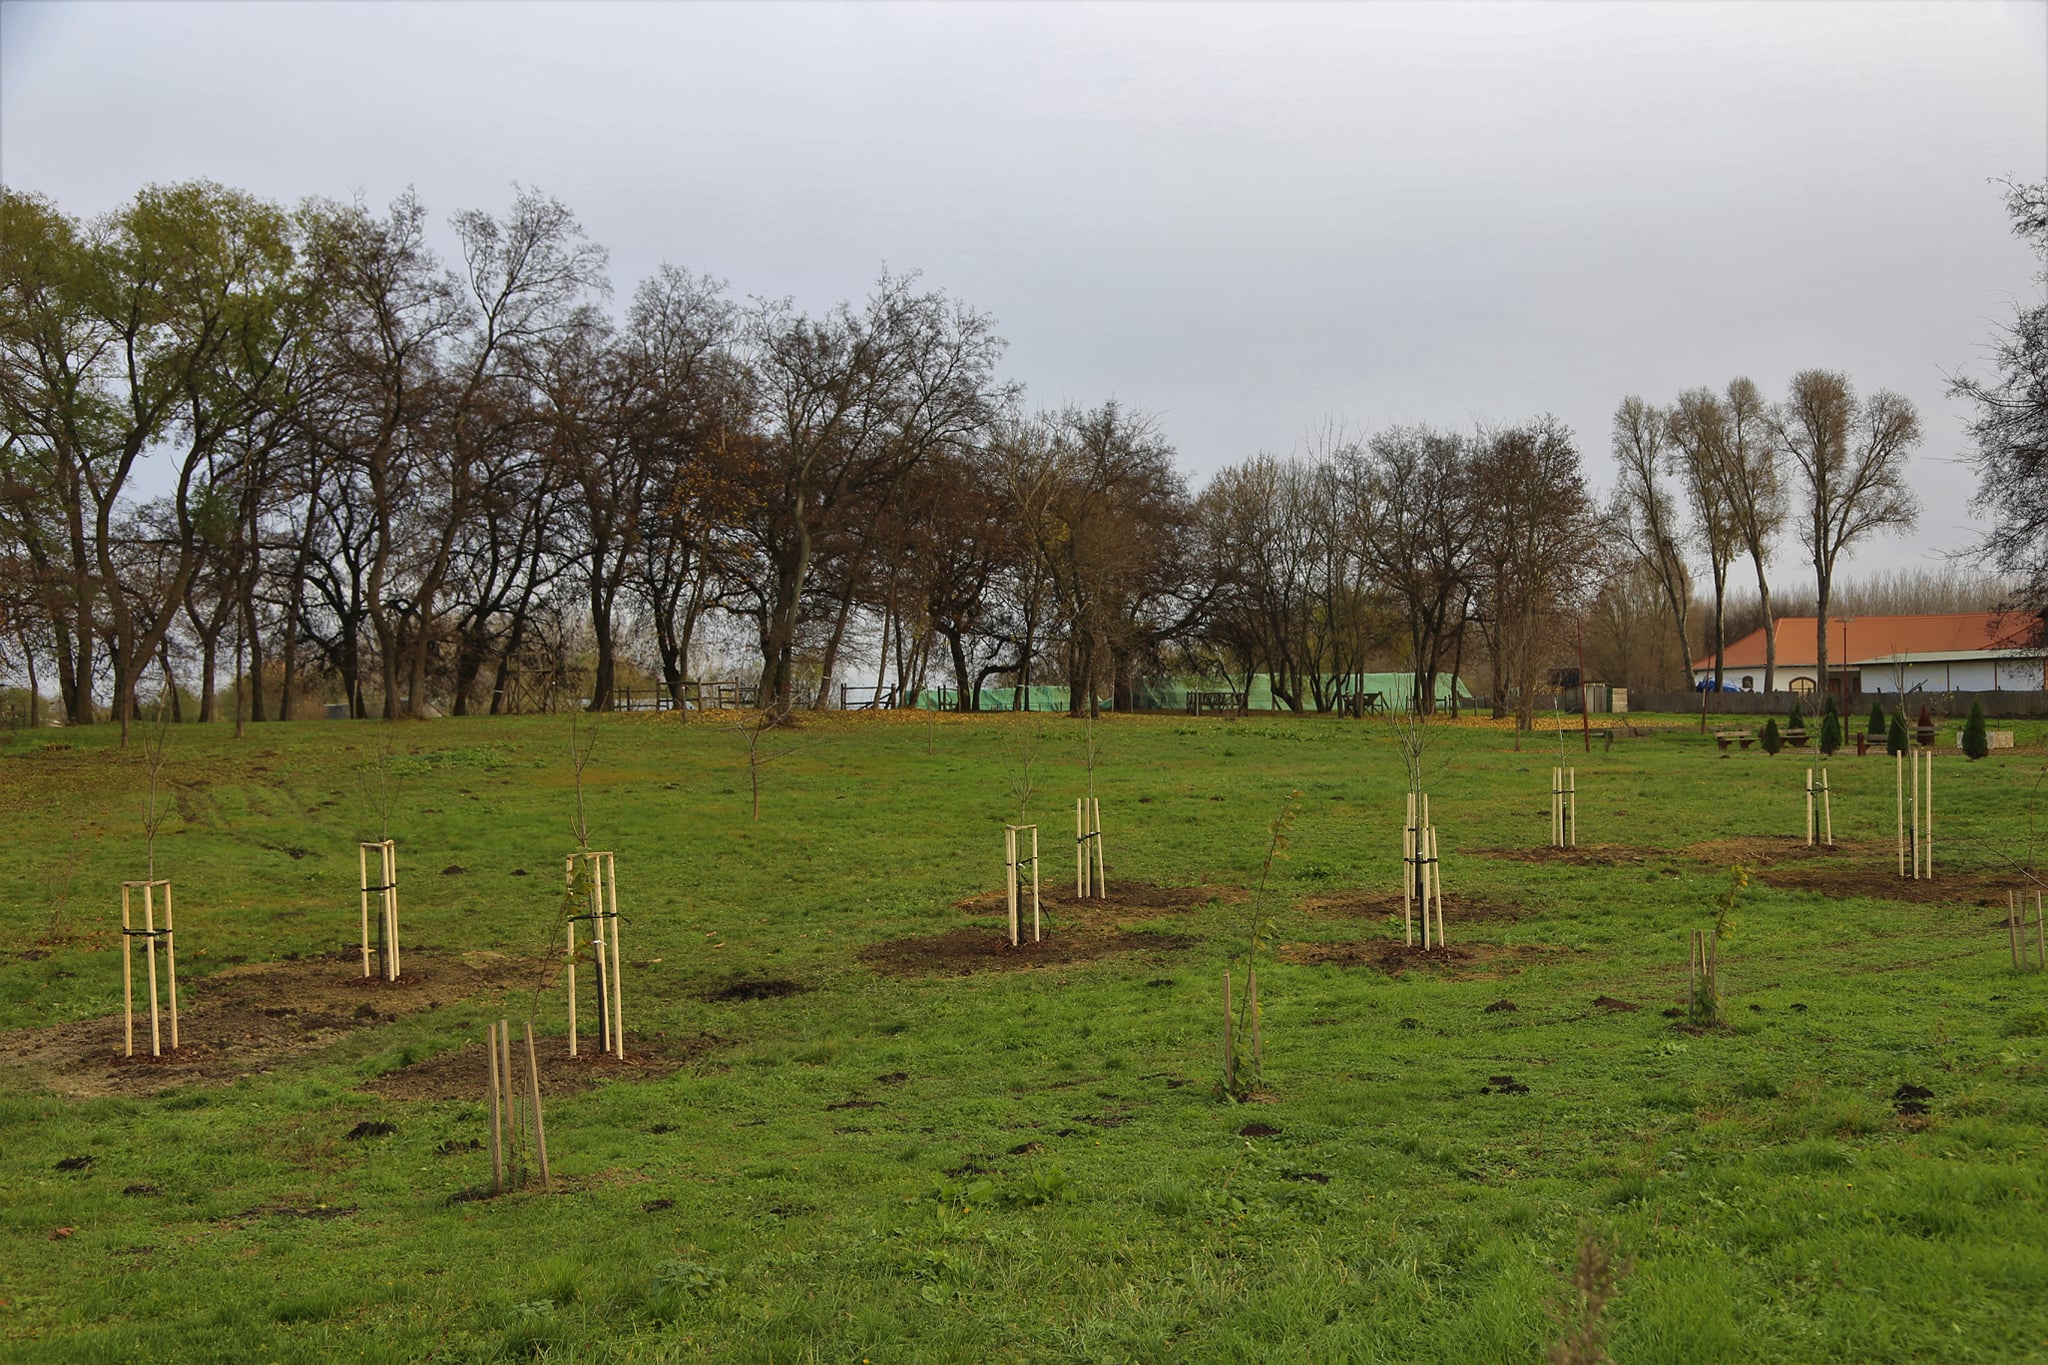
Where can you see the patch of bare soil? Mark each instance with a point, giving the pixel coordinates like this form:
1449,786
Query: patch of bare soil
1458,907
1458,961
463,1073
1881,881
1125,901
1589,855
1769,850
247,1020
962,952
753,988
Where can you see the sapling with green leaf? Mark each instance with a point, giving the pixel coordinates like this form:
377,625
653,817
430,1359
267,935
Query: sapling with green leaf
1243,1046
1703,1006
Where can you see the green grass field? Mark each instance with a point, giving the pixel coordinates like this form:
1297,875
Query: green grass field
1030,1164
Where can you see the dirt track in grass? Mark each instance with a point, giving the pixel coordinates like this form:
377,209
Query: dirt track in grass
247,1020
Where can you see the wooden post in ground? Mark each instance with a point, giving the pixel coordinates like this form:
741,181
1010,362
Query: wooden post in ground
1571,783
1408,871
1692,969
1229,1050
540,1132
497,1112
512,1122
1809,808
171,964
572,979
1081,864
1034,885
1436,883
2040,935
363,868
127,973
1827,808
611,884
1927,816
1101,867
1899,794
1010,876
1251,977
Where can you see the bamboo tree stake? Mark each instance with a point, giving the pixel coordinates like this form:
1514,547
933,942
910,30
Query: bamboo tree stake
1035,932
512,1121
1101,867
540,1132
497,1116
127,976
611,881
1229,1044
1899,792
1010,876
572,980
1928,820
171,964
363,866
1408,873
1251,976
149,926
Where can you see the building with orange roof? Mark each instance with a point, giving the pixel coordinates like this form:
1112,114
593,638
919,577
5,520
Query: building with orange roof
1978,651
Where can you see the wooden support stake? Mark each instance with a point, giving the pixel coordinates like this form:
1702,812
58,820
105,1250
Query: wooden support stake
1101,867
2040,936
127,973
1692,969
1010,876
611,881
1809,808
156,1040
1251,976
1436,882
1034,884
1571,780
511,1108
363,865
1927,820
392,969
2012,929
1827,808
572,987
540,1132
1081,863
1408,871
497,1114
1899,793
171,964
1229,1048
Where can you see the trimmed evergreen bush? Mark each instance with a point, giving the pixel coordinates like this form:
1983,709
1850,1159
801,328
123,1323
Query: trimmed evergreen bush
1975,742
1770,738
1876,723
1895,740
1830,728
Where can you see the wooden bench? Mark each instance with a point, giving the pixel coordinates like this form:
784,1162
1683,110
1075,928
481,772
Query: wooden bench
1726,737
1209,703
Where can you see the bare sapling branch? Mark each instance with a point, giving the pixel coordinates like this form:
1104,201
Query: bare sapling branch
153,811
582,741
754,731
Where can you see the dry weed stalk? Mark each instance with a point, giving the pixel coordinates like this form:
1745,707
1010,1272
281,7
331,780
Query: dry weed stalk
1581,1307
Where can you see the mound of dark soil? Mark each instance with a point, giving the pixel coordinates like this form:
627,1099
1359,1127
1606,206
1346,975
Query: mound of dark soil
250,1019
1608,1002
962,952
1459,908
464,1073
754,988
1460,961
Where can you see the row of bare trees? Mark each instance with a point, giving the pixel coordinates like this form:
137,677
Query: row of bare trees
303,448
1718,477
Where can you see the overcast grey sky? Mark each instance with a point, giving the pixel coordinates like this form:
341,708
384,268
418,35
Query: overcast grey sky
1247,220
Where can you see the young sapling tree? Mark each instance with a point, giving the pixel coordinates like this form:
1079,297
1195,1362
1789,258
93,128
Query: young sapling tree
1243,1041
